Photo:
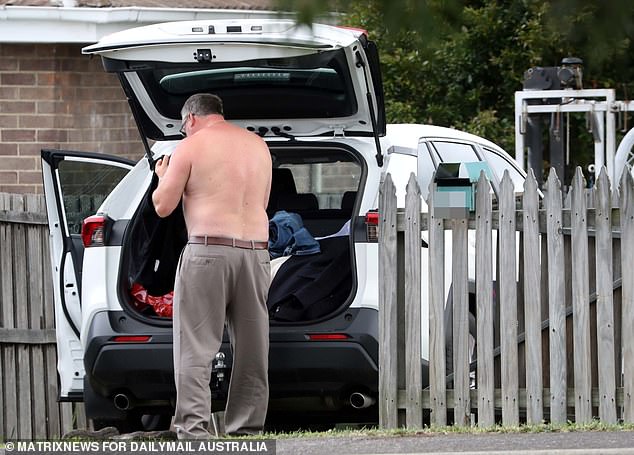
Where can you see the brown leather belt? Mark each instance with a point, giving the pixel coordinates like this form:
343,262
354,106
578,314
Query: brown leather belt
236,243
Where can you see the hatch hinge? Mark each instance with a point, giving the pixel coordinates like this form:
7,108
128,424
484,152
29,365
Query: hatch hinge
338,130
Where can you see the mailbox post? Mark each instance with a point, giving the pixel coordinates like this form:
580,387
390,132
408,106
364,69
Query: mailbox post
454,188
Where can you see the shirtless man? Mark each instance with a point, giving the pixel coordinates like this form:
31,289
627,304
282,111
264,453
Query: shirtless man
223,174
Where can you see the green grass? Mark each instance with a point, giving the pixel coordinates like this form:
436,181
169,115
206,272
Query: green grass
434,430
374,432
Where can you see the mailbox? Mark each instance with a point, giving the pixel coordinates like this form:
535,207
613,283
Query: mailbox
454,188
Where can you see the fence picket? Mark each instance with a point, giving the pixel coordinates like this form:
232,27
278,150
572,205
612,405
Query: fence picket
460,287
437,348
4,298
79,416
2,400
508,303
8,320
605,301
388,386
627,309
20,269
36,286
580,300
532,301
556,299
414,381
484,303
67,419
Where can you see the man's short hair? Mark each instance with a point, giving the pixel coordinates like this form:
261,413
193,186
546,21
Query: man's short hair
202,104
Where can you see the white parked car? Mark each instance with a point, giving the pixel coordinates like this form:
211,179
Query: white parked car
315,96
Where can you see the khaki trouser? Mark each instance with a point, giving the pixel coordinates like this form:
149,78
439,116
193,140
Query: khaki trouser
214,283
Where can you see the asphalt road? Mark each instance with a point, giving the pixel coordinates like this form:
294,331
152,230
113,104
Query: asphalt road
544,443
553,443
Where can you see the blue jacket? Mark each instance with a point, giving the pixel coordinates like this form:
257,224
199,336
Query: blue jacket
288,236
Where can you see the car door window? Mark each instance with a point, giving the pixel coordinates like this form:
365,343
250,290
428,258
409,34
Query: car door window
455,152
499,164
85,184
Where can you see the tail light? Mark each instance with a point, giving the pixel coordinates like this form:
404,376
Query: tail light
131,339
372,226
93,231
327,336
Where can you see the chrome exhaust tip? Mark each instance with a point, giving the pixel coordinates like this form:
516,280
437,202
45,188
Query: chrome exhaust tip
122,402
360,400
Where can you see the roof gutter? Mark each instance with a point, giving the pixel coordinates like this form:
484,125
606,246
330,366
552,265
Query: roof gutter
37,24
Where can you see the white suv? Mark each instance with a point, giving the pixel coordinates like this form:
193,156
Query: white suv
315,96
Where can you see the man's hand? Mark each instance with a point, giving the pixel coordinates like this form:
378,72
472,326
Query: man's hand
161,166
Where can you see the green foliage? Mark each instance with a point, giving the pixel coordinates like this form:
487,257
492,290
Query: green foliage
458,63
465,77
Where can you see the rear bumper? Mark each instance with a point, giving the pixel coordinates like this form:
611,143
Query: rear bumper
298,368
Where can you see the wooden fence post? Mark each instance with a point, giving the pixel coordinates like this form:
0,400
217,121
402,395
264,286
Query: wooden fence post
508,303
581,300
36,285
437,348
414,382
388,386
532,302
20,269
556,300
627,261
485,377
605,301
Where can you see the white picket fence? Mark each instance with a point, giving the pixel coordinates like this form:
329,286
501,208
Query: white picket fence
562,349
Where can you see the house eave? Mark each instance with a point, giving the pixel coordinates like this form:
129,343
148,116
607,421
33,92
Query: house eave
35,24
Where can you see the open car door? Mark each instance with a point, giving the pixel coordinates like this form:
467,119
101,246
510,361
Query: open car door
75,185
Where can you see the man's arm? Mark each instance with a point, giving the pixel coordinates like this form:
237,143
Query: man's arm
173,175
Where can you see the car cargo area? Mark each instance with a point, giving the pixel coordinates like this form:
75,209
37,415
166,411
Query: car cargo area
313,194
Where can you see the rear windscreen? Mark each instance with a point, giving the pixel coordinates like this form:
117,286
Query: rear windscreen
312,86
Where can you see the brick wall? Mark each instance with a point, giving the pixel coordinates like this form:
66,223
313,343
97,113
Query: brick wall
52,96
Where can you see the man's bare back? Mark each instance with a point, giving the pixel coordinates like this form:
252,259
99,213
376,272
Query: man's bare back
223,173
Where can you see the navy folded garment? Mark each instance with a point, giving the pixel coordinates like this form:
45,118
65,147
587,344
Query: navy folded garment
309,287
